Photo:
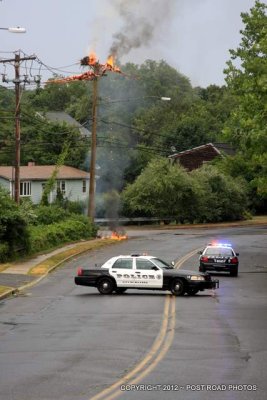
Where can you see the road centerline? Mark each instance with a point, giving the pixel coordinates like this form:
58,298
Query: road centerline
158,350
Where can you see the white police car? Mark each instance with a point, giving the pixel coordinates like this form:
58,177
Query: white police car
143,272
219,257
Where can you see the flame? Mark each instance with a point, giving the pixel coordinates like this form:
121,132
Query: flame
110,61
116,236
92,59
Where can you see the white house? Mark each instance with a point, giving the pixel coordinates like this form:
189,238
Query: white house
72,182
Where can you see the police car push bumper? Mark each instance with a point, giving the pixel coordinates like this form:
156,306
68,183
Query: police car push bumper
143,272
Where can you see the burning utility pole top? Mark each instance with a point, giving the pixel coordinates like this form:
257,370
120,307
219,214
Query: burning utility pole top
100,69
96,69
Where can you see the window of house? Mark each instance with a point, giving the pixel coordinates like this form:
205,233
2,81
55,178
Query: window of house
84,186
61,185
25,188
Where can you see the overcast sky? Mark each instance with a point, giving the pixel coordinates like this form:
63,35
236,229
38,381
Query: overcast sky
193,36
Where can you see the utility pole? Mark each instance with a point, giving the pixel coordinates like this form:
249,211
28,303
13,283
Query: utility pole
17,81
91,206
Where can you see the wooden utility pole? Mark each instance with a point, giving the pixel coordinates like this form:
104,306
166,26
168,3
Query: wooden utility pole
17,81
91,205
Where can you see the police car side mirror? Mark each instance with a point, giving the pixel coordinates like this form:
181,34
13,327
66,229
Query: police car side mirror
237,254
199,252
155,268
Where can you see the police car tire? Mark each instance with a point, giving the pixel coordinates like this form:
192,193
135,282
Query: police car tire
120,290
234,272
105,286
177,287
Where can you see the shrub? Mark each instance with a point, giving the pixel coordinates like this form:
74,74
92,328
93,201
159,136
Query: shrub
4,252
44,237
47,215
13,226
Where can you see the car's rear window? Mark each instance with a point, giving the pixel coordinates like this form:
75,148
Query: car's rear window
218,251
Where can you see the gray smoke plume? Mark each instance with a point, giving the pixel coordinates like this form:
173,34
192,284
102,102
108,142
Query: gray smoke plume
140,21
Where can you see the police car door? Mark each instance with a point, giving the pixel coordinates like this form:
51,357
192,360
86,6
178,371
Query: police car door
122,272
148,275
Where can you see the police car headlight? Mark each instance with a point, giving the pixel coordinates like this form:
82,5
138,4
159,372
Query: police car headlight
196,278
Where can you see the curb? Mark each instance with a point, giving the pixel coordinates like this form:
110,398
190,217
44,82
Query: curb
15,291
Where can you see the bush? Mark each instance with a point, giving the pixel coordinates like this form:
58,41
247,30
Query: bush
44,237
47,215
4,252
13,226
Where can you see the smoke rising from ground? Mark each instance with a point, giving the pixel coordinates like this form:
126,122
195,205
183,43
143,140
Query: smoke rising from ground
140,21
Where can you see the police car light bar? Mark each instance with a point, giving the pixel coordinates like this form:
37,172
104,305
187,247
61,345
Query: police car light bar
220,244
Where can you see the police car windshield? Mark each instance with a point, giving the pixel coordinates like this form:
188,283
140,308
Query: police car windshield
219,251
161,263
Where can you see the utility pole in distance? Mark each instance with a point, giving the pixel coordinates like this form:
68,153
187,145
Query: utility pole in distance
17,81
91,207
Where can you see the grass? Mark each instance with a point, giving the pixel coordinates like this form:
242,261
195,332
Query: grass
4,289
44,267
4,266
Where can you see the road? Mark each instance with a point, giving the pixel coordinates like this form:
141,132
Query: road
60,341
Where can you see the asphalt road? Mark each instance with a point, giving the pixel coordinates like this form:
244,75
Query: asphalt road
60,341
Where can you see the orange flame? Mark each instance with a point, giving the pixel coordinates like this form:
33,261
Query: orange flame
116,236
92,60
110,61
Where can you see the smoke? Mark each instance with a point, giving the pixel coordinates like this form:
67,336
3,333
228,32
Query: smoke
140,21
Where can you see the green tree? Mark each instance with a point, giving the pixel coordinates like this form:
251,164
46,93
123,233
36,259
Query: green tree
246,76
162,190
14,234
220,197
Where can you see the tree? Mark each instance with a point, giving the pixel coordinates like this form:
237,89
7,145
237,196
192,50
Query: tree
14,234
247,79
168,191
162,190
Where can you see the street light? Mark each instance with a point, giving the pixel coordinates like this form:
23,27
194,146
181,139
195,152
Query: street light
16,29
136,98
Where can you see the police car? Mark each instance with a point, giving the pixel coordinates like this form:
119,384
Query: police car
143,272
219,257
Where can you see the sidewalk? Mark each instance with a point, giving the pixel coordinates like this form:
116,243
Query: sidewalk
20,275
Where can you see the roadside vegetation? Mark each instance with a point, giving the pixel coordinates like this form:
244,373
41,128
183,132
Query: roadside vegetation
29,229
136,134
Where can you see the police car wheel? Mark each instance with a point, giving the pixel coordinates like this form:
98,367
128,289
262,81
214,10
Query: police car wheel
177,288
192,292
120,290
234,272
105,286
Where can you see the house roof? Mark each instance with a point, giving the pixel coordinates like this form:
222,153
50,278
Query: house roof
43,172
194,158
61,116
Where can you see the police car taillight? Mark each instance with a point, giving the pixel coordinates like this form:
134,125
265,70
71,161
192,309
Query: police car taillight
80,272
204,259
234,260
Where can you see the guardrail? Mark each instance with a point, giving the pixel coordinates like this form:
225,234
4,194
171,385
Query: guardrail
136,220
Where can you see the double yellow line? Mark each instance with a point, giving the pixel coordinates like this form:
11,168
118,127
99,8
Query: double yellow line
158,350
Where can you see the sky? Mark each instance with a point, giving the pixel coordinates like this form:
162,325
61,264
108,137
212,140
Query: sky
193,36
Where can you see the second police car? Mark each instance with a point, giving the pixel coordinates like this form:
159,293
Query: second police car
219,257
143,272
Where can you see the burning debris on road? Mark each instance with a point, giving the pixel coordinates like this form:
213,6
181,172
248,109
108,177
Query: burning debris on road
115,235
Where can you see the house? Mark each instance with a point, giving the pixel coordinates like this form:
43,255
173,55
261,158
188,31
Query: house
72,182
194,158
63,117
